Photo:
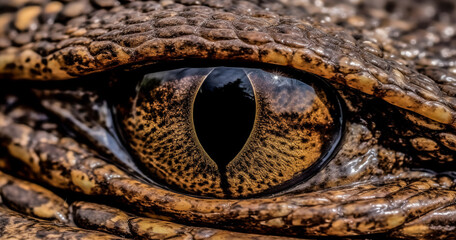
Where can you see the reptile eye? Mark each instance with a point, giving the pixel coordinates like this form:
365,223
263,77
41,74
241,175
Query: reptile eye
230,132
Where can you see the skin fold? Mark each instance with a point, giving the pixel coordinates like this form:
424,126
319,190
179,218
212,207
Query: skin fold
65,173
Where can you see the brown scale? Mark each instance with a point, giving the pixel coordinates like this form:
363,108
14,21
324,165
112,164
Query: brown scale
31,200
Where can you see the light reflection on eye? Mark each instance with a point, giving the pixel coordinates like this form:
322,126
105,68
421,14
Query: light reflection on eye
231,132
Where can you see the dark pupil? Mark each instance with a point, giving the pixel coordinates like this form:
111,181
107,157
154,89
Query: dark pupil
224,114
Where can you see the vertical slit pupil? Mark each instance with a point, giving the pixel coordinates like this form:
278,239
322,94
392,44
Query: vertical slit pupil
224,114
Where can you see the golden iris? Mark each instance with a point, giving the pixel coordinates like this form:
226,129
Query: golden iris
231,132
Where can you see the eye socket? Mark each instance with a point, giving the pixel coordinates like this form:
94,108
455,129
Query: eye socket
231,132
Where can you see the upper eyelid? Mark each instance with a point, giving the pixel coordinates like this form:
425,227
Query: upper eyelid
300,44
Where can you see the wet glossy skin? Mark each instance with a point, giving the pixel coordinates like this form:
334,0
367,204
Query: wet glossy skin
393,67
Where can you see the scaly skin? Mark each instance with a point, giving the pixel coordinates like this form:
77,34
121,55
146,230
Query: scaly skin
392,63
